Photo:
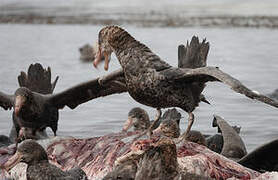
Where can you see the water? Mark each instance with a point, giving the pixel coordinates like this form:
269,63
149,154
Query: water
248,54
129,8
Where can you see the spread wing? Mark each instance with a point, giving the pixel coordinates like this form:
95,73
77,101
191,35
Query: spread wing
114,83
6,101
37,79
205,74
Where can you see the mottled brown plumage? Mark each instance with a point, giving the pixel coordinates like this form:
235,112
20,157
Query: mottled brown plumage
168,124
153,82
33,154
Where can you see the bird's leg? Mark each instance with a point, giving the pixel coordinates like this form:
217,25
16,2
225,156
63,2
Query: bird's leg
150,129
16,143
185,134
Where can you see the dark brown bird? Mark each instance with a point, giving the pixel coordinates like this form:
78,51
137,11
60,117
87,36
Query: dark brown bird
36,80
153,82
38,109
138,118
168,124
33,154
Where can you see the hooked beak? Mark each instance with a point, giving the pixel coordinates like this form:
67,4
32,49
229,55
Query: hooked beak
107,60
157,130
13,161
97,60
128,124
19,101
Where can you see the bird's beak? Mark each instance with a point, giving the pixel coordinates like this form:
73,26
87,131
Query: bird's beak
128,124
98,57
107,60
19,101
13,161
157,130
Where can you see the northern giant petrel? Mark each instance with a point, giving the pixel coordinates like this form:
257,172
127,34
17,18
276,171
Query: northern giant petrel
36,108
153,82
38,166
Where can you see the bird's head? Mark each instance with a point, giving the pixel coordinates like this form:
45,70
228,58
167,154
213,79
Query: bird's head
23,98
29,152
138,118
169,128
109,38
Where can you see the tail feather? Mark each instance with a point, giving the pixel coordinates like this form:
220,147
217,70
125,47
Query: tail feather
37,79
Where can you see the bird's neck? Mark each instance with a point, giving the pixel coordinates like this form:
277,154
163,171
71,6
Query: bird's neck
129,51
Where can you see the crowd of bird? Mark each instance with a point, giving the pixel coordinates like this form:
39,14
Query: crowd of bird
144,75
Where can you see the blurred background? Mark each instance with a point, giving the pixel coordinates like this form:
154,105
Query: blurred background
243,42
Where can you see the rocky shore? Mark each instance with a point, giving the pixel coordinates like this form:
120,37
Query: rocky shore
165,13
147,20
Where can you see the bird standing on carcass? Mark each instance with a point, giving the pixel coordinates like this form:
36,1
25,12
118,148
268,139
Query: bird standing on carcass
153,82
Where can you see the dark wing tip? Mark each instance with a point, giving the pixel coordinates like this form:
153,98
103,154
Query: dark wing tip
53,85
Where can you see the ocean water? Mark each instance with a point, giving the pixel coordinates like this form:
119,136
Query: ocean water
250,55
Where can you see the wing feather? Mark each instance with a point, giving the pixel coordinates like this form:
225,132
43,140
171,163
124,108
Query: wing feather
205,74
84,92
